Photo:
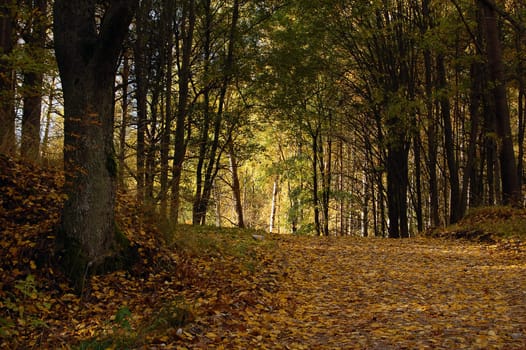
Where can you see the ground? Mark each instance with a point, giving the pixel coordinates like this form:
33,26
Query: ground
211,288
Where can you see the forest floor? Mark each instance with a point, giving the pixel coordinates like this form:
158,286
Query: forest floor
211,288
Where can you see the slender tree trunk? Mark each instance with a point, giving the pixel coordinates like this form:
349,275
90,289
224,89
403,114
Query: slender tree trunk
365,206
7,81
215,154
341,187
315,200
418,184
432,149
275,190
187,29
217,196
470,171
141,76
124,118
47,126
521,105
168,13
151,155
445,110
35,39
236,187
328,183
197,210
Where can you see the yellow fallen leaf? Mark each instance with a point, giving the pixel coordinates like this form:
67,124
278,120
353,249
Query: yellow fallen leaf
211,335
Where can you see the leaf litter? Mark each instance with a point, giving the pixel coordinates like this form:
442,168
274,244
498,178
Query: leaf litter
209,288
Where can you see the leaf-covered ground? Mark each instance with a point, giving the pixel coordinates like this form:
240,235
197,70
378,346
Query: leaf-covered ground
392,294
208,288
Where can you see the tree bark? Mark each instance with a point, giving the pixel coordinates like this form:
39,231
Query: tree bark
397,182
432,150
273,207
124,118
141,77
511,191
202,198
87,61
7,81
236,187
315,196
35,39
182,107
445,111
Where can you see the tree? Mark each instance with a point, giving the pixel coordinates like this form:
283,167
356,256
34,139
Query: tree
35,41
7,88
511,191
88,42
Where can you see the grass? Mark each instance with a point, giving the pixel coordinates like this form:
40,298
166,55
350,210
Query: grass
212,241
489,224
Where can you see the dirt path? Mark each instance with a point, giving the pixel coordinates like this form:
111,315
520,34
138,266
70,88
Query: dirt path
386,294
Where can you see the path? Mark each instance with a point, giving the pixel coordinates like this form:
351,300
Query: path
386,294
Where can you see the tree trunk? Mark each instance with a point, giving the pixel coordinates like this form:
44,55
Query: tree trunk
511,191
432,150
236,187
141,77
418,183
470,171
521,111
272,221
47,126
35,39
315,200
7,81
124,118
167,33
202,199
445,110
182,107
326,173
87,61
397,182
365,206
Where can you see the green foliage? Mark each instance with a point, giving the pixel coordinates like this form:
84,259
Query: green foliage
26,291
174,314
122,318
122,337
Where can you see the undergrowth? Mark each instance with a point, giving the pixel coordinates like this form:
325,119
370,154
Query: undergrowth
488,224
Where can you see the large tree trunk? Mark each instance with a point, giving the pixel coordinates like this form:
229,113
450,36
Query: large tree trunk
7,87
511,191
397,182
87,62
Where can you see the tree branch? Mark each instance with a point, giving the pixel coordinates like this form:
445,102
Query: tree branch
518,25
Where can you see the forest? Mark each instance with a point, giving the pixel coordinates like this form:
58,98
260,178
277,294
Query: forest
152,143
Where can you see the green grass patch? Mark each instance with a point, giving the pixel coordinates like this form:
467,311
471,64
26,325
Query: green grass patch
210,241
